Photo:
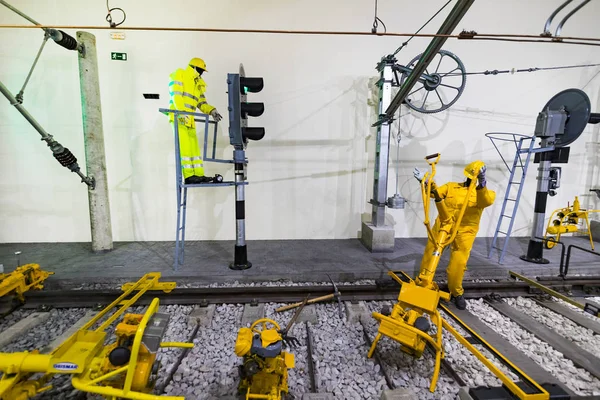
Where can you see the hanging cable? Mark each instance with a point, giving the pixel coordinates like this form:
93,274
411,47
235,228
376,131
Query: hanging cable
109,15
514,70
421,28
376,21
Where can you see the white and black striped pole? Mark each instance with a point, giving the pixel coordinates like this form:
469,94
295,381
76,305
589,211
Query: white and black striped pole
240,258
239,133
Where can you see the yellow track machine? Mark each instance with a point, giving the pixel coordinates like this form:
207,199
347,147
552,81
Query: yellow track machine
22,279
264,369
124,369
568,220
407,324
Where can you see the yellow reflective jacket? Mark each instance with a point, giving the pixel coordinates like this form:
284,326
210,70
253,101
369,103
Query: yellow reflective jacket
187,93
455,193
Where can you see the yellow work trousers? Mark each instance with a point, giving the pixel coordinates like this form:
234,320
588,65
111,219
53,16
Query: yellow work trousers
460,251
189,151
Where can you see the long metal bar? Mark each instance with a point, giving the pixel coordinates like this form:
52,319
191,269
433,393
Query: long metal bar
382,150
22,14
13,101
93,131
541,394
457,13
546,289
37,57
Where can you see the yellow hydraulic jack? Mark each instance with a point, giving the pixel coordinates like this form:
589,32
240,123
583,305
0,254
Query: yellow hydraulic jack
22,279
567,220
406,324
124,369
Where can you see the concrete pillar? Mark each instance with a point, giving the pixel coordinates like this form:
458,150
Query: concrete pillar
94,143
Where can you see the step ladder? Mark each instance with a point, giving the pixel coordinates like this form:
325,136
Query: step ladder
518,171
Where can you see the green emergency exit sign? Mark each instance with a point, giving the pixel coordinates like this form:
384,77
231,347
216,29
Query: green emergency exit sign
118,56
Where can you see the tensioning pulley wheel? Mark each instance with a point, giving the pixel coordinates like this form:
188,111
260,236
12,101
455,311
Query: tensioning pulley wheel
440,86
578,107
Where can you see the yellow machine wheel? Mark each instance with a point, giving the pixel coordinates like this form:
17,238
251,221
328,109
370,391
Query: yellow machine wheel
550,244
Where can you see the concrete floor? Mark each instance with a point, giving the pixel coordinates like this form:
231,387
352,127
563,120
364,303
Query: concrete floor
296,260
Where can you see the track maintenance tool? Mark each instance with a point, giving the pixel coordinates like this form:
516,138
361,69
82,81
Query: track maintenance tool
23,278
335,295
409,321
125,368
568,220
264,370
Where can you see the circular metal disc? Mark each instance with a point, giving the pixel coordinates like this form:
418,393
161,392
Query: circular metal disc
578,107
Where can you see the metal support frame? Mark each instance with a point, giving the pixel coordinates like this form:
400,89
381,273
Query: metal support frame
181,187
388,107
382,150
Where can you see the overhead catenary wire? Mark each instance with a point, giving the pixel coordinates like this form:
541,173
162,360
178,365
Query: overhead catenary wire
515,71
421,28
563,39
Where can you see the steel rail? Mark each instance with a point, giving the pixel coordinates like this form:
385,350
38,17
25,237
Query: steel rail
284,294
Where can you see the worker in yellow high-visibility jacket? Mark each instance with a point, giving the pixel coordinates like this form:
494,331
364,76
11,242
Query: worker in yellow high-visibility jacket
454,195
187,90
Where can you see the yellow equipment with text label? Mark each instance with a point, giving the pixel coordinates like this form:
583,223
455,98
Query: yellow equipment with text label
124,369
568,220
23,278
407,323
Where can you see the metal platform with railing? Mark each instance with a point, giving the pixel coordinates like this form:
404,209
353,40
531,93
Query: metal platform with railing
181,186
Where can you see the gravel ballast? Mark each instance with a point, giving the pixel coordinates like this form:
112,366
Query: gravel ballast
577,379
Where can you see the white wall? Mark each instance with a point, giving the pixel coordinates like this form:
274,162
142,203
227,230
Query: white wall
311,176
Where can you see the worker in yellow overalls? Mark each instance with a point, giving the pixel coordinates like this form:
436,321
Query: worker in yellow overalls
454,194
187,90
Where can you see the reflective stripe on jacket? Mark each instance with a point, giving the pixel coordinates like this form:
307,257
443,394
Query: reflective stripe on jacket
187,93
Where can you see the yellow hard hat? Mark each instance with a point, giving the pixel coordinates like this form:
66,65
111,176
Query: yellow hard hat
198,62
472,170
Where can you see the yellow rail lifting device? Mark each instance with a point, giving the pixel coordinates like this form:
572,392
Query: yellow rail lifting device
568,220
407,323
23,278
123,369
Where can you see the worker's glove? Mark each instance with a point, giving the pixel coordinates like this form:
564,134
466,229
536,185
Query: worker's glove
215,114
481,177
418,174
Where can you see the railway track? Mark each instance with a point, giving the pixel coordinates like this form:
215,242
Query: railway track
332,354
384,290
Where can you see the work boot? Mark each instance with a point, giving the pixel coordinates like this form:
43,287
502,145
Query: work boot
195,180
460,302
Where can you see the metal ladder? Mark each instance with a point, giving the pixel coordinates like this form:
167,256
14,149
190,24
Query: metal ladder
518,163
